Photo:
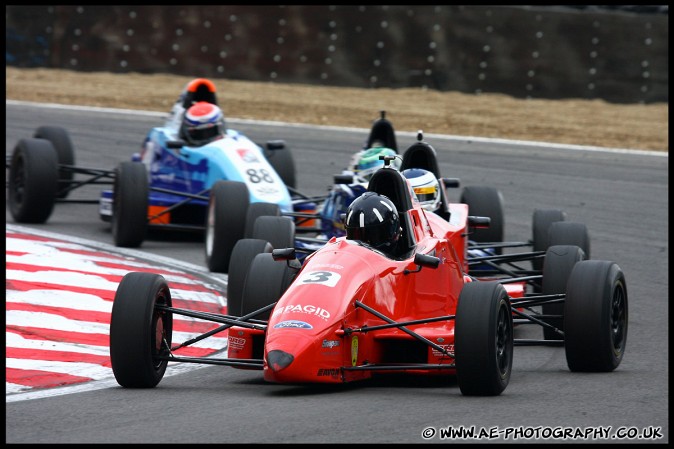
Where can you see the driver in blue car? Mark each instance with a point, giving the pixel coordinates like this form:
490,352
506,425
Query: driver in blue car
202,124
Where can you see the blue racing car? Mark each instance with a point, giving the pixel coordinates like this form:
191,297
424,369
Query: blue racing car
193,173
189,162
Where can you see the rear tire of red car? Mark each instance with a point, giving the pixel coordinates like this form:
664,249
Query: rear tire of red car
140,334
243,254
483,339
557,267
259,209
65,154
279,231
225,223
33,181
130,198
596,317
485,202
569,233
266,281
542,219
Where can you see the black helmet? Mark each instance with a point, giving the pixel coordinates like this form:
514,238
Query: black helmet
373,219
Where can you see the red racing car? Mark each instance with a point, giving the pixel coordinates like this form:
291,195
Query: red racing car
392,296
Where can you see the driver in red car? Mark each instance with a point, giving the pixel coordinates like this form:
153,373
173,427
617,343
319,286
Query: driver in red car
373,220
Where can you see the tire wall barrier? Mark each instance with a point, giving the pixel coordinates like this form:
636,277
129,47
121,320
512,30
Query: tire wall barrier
552,52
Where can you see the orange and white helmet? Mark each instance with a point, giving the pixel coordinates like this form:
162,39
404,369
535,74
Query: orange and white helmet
203,123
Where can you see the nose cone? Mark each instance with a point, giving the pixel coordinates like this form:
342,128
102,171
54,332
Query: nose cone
278,360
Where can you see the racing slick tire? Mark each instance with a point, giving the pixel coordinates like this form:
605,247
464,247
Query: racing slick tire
542,219
483,339
243,254
130,198
596,317
557,267
259,209
266,281
65,154
486,202
226,222
33,181
569,233
279,231
281,159
140,333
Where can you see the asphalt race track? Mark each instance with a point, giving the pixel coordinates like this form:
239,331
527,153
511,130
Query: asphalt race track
621,196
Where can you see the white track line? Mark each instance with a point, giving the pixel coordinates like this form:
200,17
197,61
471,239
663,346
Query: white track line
447,137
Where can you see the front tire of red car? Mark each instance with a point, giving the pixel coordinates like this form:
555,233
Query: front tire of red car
243,254
140,334
266,281
483,339
557,266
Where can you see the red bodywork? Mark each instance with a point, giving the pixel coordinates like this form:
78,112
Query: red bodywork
310,336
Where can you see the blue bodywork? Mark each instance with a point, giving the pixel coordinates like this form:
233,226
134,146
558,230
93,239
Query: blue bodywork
339,199
194,170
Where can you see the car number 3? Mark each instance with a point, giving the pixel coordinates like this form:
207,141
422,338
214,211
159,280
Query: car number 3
327,278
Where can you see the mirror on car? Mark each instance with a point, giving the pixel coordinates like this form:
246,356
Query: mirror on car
276,145
479,222
283,254
426,260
